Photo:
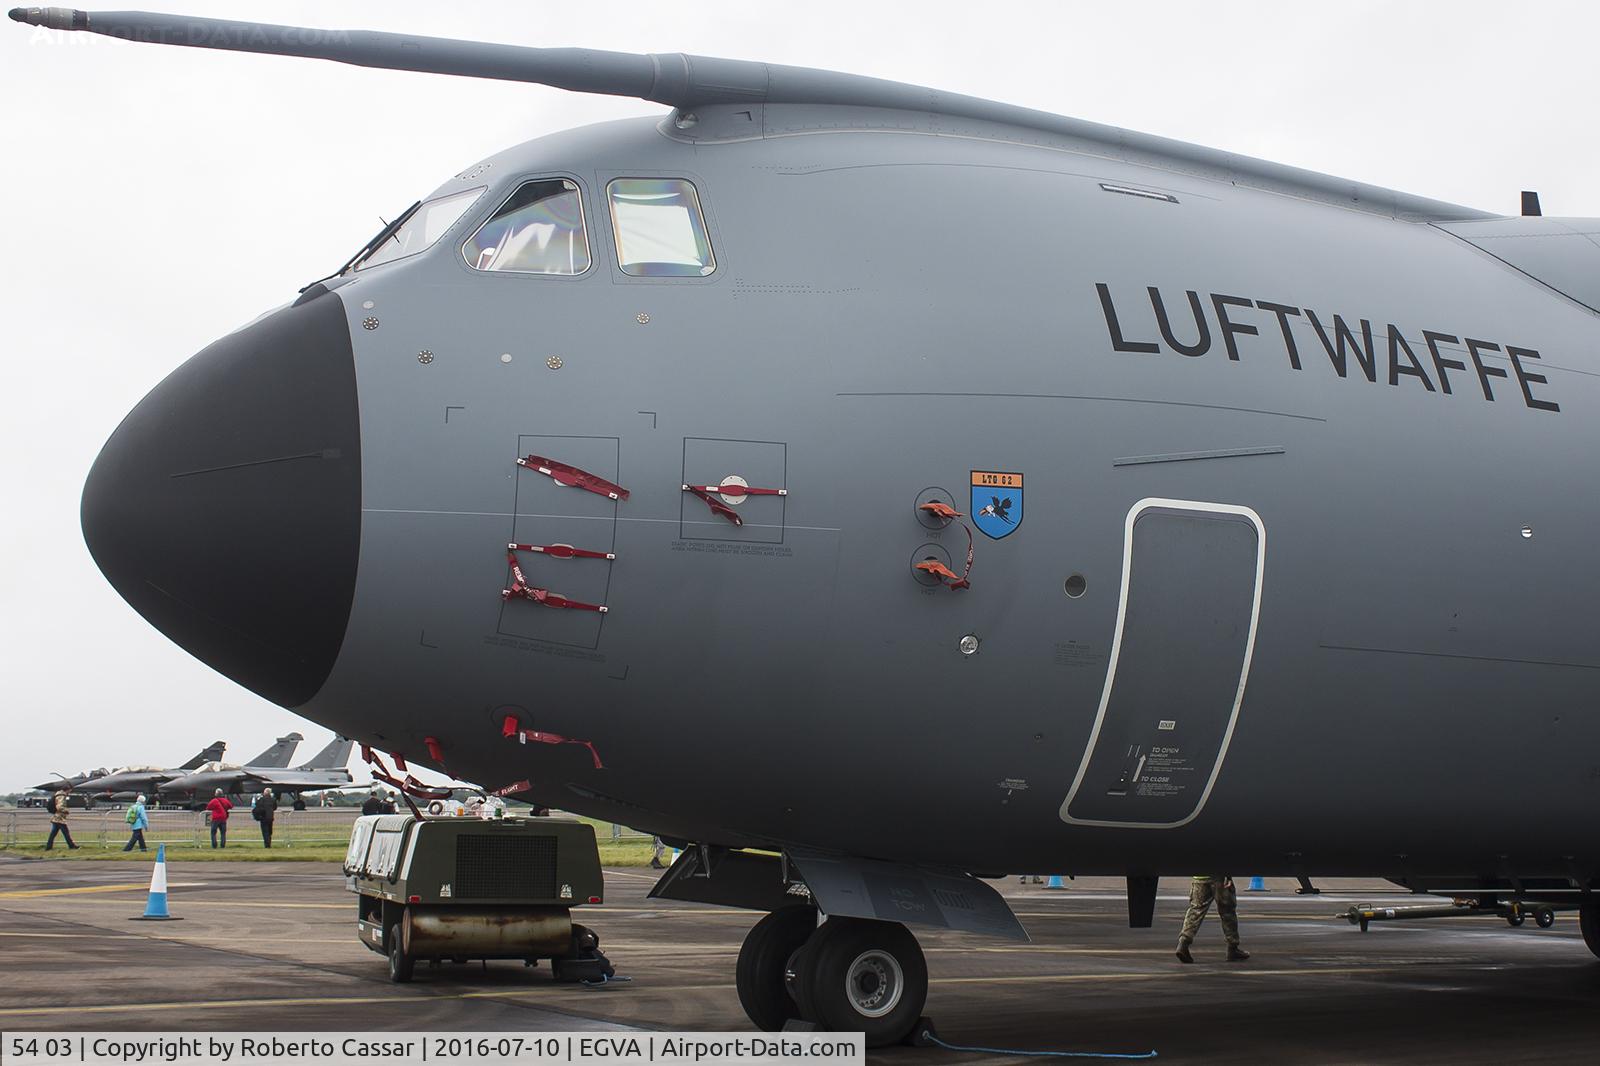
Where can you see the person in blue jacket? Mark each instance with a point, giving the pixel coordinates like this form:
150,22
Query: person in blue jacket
138,821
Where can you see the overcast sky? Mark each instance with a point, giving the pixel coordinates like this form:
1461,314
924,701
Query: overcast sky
156,198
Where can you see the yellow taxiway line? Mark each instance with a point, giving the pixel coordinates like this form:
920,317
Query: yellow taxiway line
81,936
39,893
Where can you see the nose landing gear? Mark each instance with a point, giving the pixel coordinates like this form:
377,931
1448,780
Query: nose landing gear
846,975
1589,924
764,972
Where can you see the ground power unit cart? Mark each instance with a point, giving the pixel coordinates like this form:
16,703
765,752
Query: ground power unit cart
457,889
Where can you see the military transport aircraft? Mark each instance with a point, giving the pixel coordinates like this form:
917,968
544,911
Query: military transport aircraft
636,470
128,781
326,769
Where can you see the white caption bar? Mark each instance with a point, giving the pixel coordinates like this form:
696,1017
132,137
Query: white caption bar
199,1048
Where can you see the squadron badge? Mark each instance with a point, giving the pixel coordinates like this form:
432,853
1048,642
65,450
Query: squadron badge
996,503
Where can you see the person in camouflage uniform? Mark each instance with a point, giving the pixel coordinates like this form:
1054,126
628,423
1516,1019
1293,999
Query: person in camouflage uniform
58,822
1204,888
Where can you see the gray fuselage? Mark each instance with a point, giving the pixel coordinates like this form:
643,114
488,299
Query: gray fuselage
1353,634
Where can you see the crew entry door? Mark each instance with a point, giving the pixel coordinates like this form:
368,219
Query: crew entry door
1186,628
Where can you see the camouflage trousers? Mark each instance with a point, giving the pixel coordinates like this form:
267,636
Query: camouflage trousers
1201,893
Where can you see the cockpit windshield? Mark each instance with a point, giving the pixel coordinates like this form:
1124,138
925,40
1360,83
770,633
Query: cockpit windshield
538,230
660,229
418,229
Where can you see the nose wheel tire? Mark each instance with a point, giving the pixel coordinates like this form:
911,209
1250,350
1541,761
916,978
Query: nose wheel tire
764,962
1589,924
857,975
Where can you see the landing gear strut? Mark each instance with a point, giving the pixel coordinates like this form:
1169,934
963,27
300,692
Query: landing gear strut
846,975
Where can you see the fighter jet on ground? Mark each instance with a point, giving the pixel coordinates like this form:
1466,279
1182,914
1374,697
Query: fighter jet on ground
72,782
45,791
324,770
1307,586
128,781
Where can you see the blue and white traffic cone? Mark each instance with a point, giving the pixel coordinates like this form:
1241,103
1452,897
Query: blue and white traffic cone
1258,884
1055,882
155,908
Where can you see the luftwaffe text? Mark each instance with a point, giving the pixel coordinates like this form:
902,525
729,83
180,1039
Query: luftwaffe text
1380,353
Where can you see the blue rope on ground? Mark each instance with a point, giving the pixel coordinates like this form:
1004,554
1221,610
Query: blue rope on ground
1045,1054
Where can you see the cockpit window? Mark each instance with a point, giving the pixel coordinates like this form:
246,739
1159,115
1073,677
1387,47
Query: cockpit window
660,230
538,230
419,228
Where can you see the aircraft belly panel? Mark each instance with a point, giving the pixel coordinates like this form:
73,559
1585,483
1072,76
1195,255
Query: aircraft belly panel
1185,633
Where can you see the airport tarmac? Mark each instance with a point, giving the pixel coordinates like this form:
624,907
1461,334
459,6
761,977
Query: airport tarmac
271,946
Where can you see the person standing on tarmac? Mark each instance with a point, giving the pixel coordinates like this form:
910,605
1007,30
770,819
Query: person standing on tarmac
58,822
138,821
265,810
218,809
373,804
1204,888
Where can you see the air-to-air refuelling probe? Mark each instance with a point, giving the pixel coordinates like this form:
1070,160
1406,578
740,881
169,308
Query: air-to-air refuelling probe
672,471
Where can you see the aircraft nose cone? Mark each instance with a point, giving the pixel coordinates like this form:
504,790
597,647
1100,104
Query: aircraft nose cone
226,508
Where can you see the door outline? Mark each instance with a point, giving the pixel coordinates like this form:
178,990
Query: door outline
1116,651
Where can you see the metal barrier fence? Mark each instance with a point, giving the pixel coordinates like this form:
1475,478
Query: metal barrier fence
312,827
106,828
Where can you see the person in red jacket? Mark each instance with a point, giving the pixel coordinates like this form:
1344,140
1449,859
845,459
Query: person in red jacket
218,809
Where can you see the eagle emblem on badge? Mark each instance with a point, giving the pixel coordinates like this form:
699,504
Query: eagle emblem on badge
996,502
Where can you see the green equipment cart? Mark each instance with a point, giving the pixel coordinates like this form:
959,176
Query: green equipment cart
455,889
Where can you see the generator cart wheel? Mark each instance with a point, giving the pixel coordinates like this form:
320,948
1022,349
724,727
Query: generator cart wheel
764,958
1514,919
1589,923
864,976
400,964
1544,917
